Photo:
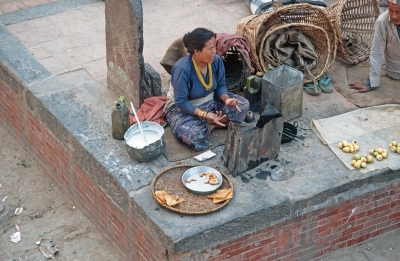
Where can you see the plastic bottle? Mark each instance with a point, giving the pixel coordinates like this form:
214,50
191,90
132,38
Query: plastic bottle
252,91
120,119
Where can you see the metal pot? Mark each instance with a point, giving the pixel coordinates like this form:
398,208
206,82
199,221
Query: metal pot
136,146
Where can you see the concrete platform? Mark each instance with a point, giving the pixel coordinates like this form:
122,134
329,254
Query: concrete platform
54,99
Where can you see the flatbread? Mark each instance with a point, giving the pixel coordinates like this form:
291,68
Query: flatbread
221,193
218,200
167,199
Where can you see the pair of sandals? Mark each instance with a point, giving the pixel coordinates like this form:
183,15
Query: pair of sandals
323,84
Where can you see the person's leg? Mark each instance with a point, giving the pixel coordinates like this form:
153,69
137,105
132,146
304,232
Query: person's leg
191,130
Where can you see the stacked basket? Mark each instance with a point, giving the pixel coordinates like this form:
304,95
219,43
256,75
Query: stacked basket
249,28
354,24
308,19
321,44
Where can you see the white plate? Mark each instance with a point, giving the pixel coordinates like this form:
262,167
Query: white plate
198,186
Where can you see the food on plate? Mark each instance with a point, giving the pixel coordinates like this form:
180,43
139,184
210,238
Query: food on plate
167,199
211,178
160,196
213,181
190,179
207,178
221,195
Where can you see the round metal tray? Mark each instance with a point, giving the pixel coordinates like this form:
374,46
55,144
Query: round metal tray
198,186
170,180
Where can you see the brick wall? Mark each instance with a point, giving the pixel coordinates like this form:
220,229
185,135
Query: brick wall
315,233
302,238
123,228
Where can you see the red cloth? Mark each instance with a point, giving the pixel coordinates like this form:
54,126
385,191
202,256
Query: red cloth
152,109
226,41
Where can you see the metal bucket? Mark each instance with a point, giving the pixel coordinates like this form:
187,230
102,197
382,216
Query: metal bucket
136,146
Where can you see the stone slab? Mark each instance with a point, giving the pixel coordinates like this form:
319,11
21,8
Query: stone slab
19,60
83,107
42,10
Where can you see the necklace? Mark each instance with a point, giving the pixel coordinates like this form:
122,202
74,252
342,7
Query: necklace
210,82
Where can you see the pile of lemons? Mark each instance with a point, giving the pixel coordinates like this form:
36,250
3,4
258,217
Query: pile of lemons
394,146
379,153
360,161
351,147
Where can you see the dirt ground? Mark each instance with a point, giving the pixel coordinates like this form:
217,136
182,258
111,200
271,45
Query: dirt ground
47,213
385,247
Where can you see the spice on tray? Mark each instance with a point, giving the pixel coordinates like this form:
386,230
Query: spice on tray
221,195
167,199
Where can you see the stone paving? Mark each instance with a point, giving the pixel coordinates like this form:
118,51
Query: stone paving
7,6
68,41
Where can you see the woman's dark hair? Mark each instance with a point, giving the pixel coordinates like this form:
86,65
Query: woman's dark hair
197,39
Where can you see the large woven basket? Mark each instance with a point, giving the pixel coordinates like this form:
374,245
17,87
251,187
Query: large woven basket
318,37
354,25
254,27
248,27
307,14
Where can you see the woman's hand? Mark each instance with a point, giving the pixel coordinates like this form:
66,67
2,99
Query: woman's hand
215,118
231,102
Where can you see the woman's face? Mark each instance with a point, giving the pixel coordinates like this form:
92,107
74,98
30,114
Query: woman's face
394,13
207,54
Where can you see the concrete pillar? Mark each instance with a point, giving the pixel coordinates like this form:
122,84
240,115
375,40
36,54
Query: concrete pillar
126,71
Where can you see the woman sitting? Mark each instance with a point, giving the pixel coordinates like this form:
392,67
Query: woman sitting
198,100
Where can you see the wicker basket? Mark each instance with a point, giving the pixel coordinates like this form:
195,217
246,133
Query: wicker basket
248,27
307,14
236,69
319,39
354,25
254,27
